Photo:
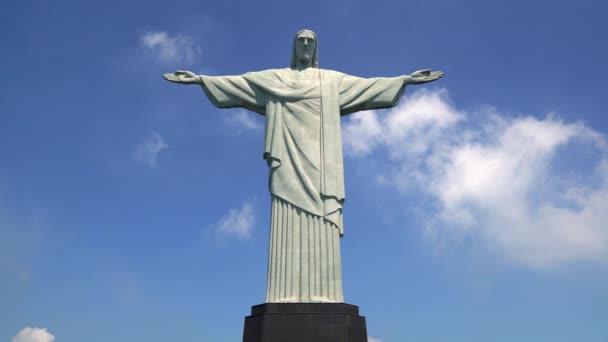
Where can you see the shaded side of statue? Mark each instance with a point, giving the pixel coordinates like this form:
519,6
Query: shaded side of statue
302,105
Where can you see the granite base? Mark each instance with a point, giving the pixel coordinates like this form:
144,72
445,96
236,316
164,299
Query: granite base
305,322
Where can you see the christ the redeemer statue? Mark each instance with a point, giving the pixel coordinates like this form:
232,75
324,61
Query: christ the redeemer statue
302,105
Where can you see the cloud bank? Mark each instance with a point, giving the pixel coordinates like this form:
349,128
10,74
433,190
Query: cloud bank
532,190
33,335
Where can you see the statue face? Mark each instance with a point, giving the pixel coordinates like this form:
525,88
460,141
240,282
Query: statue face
305,46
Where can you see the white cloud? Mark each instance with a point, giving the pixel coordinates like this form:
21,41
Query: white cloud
407,130
496,179
33,335
362,134
238,222
242,120
371,339
147,151
173,49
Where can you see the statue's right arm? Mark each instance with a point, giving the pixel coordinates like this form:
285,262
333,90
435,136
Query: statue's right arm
224,91
183,77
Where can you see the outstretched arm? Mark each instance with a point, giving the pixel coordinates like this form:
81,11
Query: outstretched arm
224,91
358,94
423,76
183,77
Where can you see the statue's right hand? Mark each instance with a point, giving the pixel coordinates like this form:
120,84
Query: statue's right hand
183,77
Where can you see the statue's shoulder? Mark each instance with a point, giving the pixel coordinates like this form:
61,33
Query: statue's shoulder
332,74
287,73
270,73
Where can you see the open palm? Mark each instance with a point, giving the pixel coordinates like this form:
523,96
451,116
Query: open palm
425,76
183,77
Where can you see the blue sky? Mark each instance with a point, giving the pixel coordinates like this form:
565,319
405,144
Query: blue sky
132,209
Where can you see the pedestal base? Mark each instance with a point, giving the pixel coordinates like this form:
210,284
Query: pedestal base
305,322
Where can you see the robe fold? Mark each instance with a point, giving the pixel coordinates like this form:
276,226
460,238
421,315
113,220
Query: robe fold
303,145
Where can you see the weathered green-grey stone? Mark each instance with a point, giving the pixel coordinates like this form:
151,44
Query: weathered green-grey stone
303,105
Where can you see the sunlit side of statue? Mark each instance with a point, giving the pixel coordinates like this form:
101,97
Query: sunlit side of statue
302,105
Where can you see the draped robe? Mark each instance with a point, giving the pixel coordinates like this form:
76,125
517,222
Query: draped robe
303,150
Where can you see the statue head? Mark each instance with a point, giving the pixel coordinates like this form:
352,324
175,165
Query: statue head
305,49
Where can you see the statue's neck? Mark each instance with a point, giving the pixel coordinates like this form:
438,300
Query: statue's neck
303,65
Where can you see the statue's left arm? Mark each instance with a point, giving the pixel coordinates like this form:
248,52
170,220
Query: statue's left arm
357,94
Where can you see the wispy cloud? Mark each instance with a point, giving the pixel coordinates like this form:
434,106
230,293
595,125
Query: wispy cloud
33,335
237,222
241,120
496,178
147,151
19,242
118,279
170,48
371,339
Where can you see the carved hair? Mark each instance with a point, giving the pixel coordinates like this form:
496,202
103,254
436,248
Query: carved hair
315,55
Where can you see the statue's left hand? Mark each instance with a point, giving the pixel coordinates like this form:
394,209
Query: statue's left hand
424,76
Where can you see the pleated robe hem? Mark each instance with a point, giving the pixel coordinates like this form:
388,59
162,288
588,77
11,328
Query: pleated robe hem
304,263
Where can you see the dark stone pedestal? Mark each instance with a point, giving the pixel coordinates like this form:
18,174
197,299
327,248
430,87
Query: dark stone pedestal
305,322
